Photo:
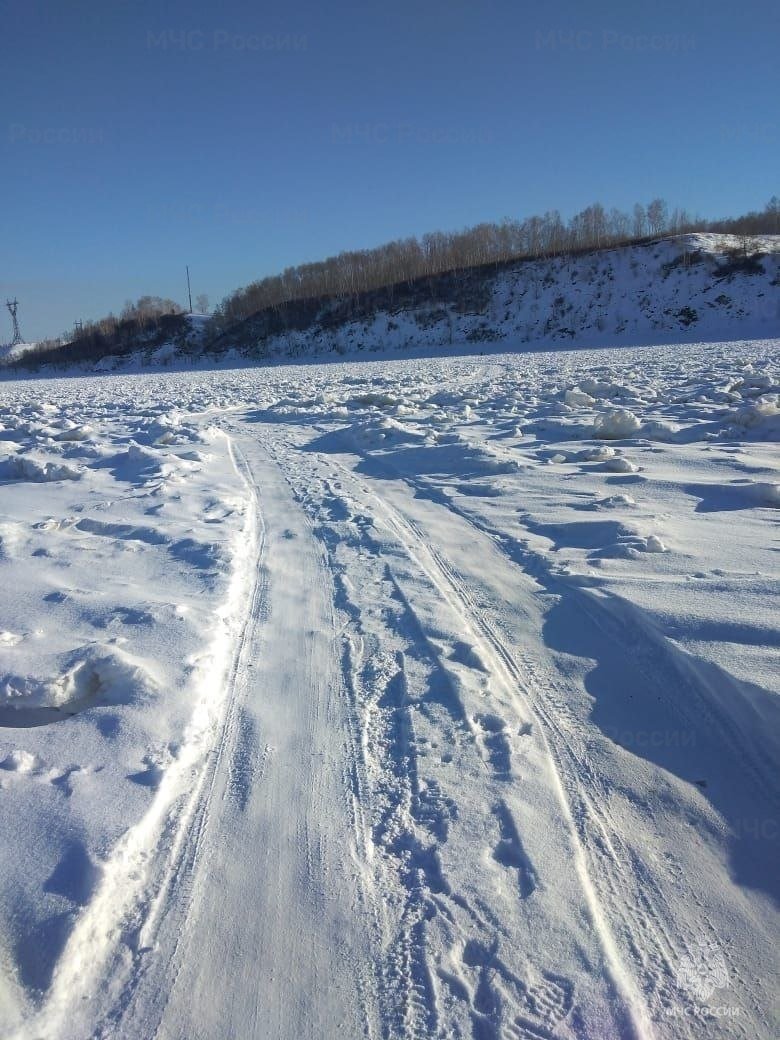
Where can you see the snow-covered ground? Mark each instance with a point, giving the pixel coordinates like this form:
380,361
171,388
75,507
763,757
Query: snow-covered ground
414,698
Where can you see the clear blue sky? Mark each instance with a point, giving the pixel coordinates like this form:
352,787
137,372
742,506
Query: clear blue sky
245,137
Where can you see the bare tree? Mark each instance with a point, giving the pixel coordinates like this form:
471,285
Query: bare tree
773,212
619,225
657,216
640,221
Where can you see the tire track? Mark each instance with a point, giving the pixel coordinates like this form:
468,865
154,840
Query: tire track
354,781
422,879
149,875
647,911
519,683
189,850
641,917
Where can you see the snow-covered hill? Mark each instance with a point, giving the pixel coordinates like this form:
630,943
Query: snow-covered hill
687,288
690,286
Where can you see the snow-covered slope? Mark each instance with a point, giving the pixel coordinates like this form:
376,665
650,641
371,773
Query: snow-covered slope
415,698
690,287
683,289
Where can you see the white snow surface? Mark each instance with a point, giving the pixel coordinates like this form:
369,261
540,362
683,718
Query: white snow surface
403,698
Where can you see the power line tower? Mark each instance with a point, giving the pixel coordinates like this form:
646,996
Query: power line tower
12,306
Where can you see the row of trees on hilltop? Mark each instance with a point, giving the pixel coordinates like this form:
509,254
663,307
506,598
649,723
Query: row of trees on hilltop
147,309
405,260
757,222
139,316
138,320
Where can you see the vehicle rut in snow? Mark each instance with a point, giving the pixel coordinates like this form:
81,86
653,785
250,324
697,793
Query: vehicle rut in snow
148,880
275,903
430,673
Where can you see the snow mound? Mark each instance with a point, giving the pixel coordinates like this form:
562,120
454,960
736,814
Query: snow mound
657,430
764,493
653,544
97,673
578,399
615,424
761,416
615,502
618,464
20,761
598,454
22,468
599,388
75,433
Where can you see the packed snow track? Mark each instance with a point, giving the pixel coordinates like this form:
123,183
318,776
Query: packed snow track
424,698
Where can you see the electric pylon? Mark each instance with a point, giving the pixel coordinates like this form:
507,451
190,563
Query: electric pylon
12,306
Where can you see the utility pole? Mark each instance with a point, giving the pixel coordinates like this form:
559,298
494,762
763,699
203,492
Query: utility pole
189,291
